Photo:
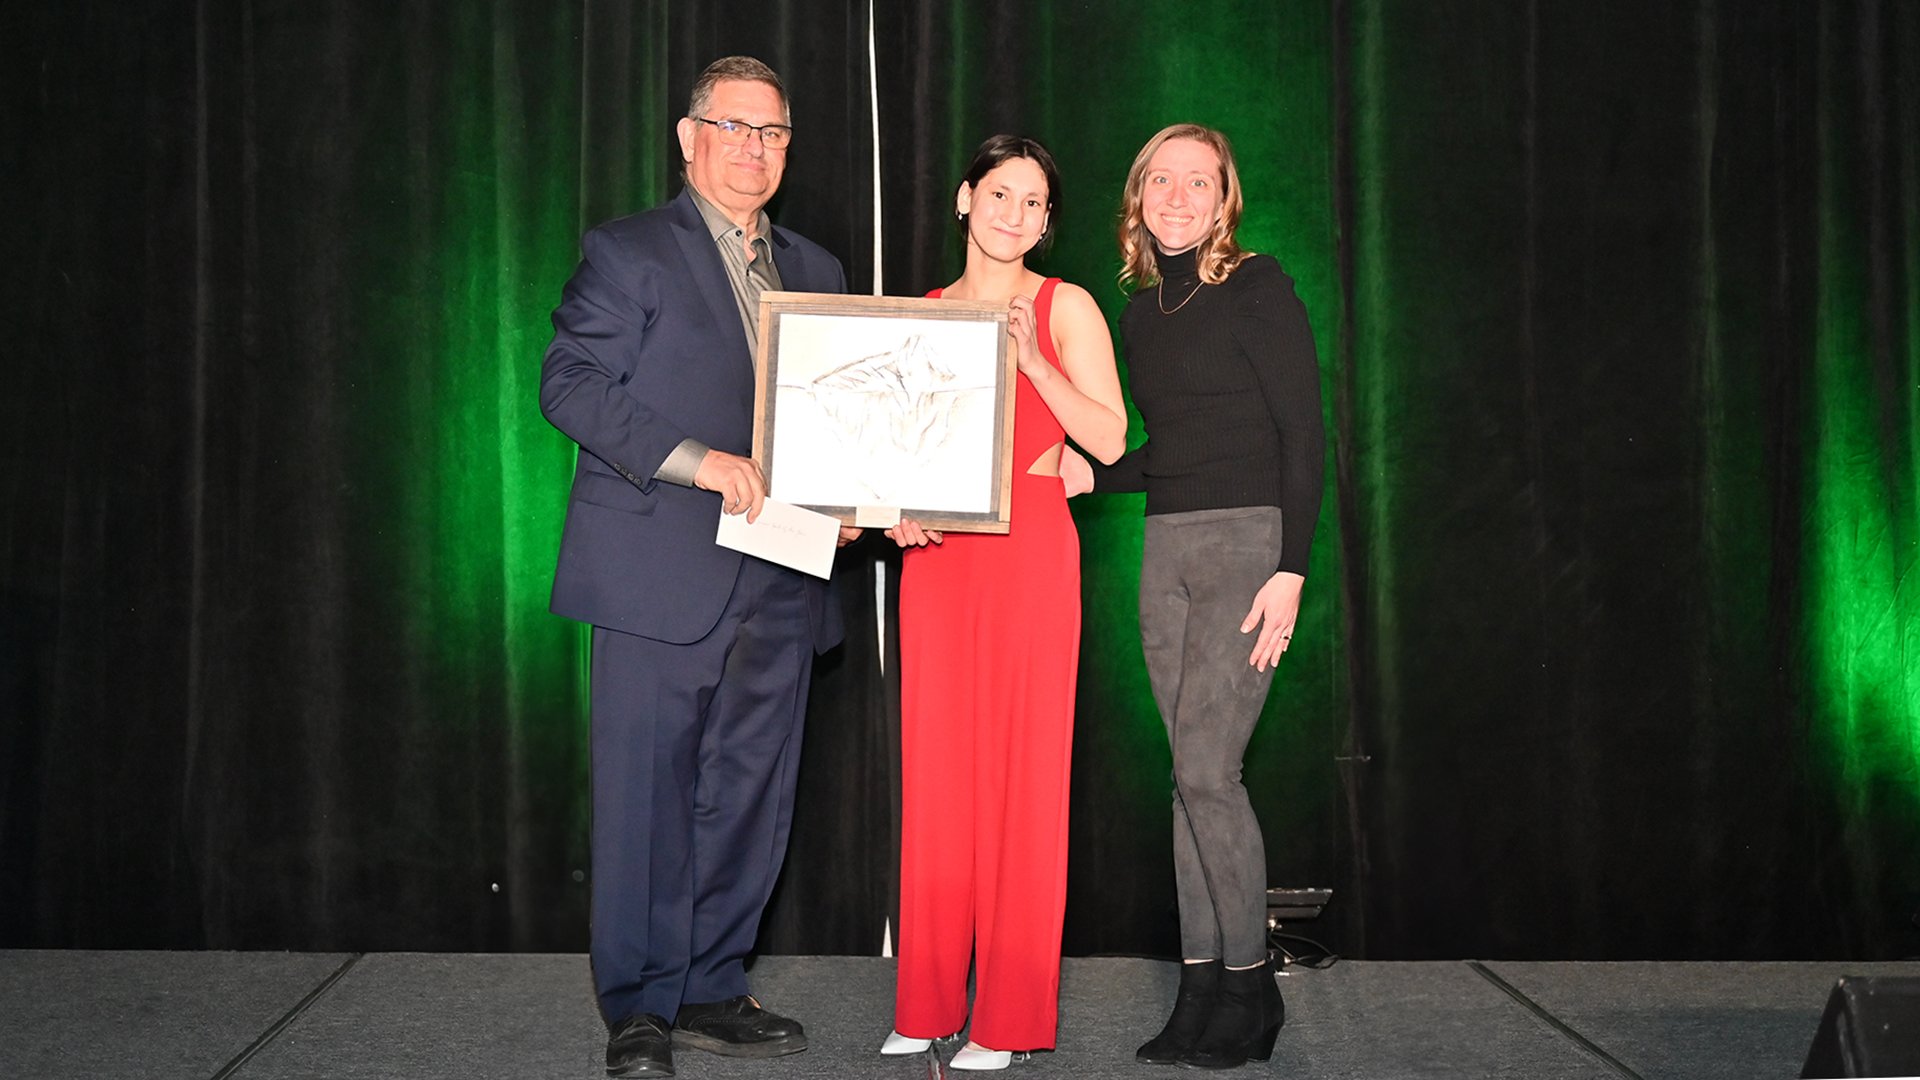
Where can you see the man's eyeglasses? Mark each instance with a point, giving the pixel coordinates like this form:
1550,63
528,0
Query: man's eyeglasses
735,132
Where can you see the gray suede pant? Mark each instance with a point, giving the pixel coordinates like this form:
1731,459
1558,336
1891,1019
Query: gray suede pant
1199,572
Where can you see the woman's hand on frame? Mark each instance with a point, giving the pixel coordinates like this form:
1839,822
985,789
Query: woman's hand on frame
1021,322
909,534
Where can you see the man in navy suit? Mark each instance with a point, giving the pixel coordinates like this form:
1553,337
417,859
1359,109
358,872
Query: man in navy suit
701,657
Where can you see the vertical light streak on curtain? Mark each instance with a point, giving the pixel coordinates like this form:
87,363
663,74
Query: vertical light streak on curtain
524,477
1536,371
1743,263
1354,754
322,630
1708,369
503,471
1712,377
1906,118
879,289
197,457
1735,613
462,482
1374,396
1863,600
879,234
1903,98
496,473
464,477
511,356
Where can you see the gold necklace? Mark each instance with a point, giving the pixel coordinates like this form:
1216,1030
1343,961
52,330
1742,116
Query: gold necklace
1160,300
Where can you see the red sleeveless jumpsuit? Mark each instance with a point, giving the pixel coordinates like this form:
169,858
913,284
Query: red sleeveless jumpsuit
989,649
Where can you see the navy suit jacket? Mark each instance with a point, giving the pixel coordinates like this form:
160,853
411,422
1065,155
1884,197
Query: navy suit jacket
648,350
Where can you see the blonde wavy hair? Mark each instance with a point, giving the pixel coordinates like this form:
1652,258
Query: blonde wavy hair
1218,254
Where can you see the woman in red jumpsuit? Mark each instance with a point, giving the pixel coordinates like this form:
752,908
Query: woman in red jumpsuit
989,648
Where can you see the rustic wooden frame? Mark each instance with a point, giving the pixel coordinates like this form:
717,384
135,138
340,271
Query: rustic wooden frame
980,460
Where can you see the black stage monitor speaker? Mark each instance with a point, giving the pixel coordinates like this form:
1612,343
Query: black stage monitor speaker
1871,1028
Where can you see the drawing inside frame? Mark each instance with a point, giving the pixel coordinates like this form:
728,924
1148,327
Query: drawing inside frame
872,408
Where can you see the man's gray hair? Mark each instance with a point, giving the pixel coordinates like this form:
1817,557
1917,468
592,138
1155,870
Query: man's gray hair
734,68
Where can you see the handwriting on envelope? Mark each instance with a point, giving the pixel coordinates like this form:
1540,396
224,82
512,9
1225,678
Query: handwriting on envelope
786,534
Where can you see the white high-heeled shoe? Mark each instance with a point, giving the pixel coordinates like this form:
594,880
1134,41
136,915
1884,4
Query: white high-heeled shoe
897,1044
980,1059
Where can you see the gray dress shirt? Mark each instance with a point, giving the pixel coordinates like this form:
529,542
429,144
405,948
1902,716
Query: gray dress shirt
749,280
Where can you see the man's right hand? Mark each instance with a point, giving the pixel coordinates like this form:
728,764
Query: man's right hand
737,480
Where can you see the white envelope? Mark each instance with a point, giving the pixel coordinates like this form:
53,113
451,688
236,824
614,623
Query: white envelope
786,534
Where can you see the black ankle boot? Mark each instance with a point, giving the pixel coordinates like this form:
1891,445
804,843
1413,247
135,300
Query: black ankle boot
1246,1019
1198,985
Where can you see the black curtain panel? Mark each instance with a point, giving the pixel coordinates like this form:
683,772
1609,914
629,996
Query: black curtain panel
280,508
1628,505
1608,644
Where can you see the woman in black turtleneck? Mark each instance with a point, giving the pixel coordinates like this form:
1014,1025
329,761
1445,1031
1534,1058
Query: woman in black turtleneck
1222,368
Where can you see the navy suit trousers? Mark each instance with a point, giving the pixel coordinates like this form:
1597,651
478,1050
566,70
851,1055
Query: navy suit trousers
695,749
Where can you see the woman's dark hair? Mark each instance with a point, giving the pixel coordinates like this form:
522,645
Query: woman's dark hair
996,151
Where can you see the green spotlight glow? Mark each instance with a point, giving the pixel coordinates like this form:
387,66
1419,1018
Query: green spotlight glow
498,474
1862,611
1862,608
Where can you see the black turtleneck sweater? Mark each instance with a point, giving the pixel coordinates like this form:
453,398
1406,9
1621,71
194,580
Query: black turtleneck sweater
1228,385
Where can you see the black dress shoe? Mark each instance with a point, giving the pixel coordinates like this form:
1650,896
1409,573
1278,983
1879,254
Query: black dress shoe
640,1046
738,1027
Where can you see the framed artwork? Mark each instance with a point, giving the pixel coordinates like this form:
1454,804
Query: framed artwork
874,408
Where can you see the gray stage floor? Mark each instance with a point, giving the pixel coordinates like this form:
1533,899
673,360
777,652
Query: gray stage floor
256,1016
